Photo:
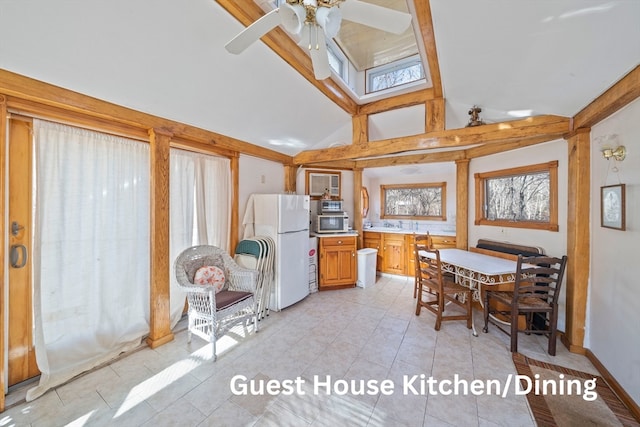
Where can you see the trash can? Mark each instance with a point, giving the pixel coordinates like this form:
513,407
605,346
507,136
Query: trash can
366,267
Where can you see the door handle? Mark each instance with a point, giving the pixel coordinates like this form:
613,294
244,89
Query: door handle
15,259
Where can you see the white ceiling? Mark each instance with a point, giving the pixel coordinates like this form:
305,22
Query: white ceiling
167,58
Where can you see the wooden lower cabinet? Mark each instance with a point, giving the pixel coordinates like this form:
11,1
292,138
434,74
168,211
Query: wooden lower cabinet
338,267
373,240
395,250
394,256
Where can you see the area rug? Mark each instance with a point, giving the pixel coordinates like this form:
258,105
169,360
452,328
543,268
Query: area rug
575,400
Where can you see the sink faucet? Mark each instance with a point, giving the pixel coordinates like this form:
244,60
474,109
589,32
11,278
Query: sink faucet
400,224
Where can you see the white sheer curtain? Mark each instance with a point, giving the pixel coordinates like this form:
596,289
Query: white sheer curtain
182,177
200,209
91,249
213,192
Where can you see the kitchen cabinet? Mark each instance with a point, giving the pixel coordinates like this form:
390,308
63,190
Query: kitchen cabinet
373,240
391,251
393,254
338,268
444,242
395,250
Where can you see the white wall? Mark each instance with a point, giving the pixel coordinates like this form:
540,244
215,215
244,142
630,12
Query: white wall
613,311
553,242
257,176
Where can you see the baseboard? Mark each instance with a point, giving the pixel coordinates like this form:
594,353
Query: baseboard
615,386
571,347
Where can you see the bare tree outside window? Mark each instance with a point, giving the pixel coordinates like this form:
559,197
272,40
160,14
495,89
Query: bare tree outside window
414,201
518,198
524,197
396,77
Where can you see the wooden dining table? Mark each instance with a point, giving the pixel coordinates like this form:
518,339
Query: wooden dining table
476,270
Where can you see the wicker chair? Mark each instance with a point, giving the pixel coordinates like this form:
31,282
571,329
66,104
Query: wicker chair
212,314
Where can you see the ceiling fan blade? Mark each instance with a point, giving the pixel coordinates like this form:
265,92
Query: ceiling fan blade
253,32
313,40
371,15
319,55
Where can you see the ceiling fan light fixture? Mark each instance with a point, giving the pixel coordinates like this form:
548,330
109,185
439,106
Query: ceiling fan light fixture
329,18
293,17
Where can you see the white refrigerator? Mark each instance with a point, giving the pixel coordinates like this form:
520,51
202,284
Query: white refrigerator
285,218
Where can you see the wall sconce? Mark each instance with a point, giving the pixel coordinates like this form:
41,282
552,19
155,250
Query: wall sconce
618,153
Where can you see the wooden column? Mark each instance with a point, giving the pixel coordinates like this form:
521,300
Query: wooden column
462,204
290,178
360,123
357,205
434,115
3,213
578,245
160,313
235,200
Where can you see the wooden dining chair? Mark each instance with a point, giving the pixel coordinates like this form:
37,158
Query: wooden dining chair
420,242
436,290
535,295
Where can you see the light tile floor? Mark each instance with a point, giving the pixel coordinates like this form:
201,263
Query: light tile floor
352,334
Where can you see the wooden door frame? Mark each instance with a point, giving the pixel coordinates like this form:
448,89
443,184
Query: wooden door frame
3,215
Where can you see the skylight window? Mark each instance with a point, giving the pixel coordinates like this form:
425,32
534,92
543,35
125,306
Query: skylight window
336,63
395,74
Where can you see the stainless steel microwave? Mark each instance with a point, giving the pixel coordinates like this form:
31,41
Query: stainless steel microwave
336,223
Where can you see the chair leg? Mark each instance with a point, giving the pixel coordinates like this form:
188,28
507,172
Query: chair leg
486,313
514,331
469,312
440,310
553,332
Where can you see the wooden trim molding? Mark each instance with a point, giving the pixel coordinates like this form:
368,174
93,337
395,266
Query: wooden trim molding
481,198
3,213
615,385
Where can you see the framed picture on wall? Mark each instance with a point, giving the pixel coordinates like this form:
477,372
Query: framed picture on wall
612,206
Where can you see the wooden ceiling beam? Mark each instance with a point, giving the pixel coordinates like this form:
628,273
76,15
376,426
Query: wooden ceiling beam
339,165
411,159
39,98
400,101
247,12
622,93
549,126
487,149
425,24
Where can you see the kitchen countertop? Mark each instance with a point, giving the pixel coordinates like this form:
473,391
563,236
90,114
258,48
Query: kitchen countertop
321,235
403,231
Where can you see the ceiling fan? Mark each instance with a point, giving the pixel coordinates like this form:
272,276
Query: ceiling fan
313,20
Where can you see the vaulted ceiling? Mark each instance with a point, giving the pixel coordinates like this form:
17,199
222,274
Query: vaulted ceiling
167,58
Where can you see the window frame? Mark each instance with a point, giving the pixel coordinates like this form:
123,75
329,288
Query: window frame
480,185
401,64
443,201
